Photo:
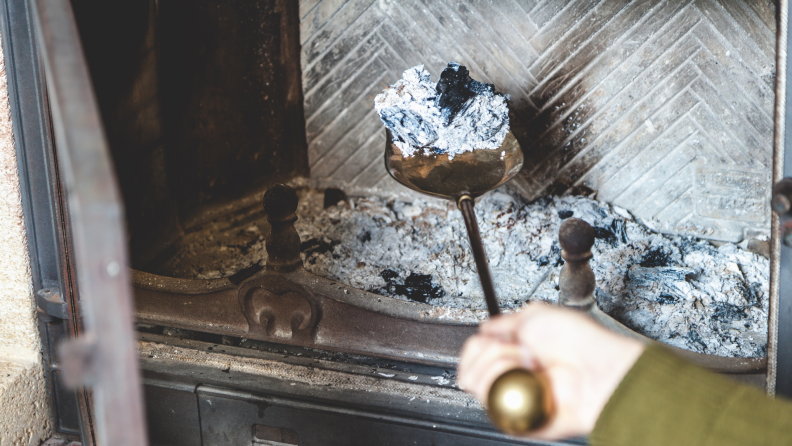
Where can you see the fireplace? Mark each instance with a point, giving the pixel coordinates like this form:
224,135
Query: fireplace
202,110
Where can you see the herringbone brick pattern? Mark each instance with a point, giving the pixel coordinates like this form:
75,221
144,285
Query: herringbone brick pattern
662,107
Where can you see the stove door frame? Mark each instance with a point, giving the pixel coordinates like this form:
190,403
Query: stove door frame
779,340
75,222
40,190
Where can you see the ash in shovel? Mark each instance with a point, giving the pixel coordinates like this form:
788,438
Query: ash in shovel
456,115
681,291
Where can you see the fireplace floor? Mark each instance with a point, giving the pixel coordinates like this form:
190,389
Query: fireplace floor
686,292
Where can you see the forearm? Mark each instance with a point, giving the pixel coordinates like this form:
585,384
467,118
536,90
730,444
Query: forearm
664,400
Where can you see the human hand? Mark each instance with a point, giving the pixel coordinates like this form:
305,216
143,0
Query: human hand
583,362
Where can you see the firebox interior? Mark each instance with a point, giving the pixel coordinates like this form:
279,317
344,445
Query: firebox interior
202,105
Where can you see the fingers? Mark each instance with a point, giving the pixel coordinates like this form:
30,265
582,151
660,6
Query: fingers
582,361
489,374
484,359
471,352
477,353
553,333
566,389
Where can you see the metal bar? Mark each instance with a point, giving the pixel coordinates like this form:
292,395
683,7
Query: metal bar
97,225
39,187
31,137
482,265
779,348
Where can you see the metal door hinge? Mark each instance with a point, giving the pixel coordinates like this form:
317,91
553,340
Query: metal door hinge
51,302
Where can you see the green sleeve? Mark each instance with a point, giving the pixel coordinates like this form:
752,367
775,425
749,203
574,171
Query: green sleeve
664,400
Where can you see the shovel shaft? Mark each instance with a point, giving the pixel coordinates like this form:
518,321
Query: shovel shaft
465,204
530,389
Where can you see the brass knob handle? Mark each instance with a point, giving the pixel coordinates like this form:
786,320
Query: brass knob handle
520,402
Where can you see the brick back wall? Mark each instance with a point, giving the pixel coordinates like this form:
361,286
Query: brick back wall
663,108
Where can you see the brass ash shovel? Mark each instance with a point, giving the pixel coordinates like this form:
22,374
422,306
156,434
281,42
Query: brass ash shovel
519,400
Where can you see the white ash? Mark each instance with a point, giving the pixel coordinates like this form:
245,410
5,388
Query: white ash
681,291
442,380
456,115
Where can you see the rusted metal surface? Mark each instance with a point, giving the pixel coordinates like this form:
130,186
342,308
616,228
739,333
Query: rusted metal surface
96,223
299,308
346,319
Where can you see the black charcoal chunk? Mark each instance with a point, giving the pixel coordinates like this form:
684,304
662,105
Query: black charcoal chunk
455,89
563,215
365,236
656,257
605,234
667,299
416,287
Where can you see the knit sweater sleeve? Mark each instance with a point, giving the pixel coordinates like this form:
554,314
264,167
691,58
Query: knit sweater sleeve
664,400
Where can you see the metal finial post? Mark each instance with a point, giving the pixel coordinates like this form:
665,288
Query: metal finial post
283,242
577,280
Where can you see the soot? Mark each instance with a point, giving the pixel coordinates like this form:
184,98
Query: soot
695,337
